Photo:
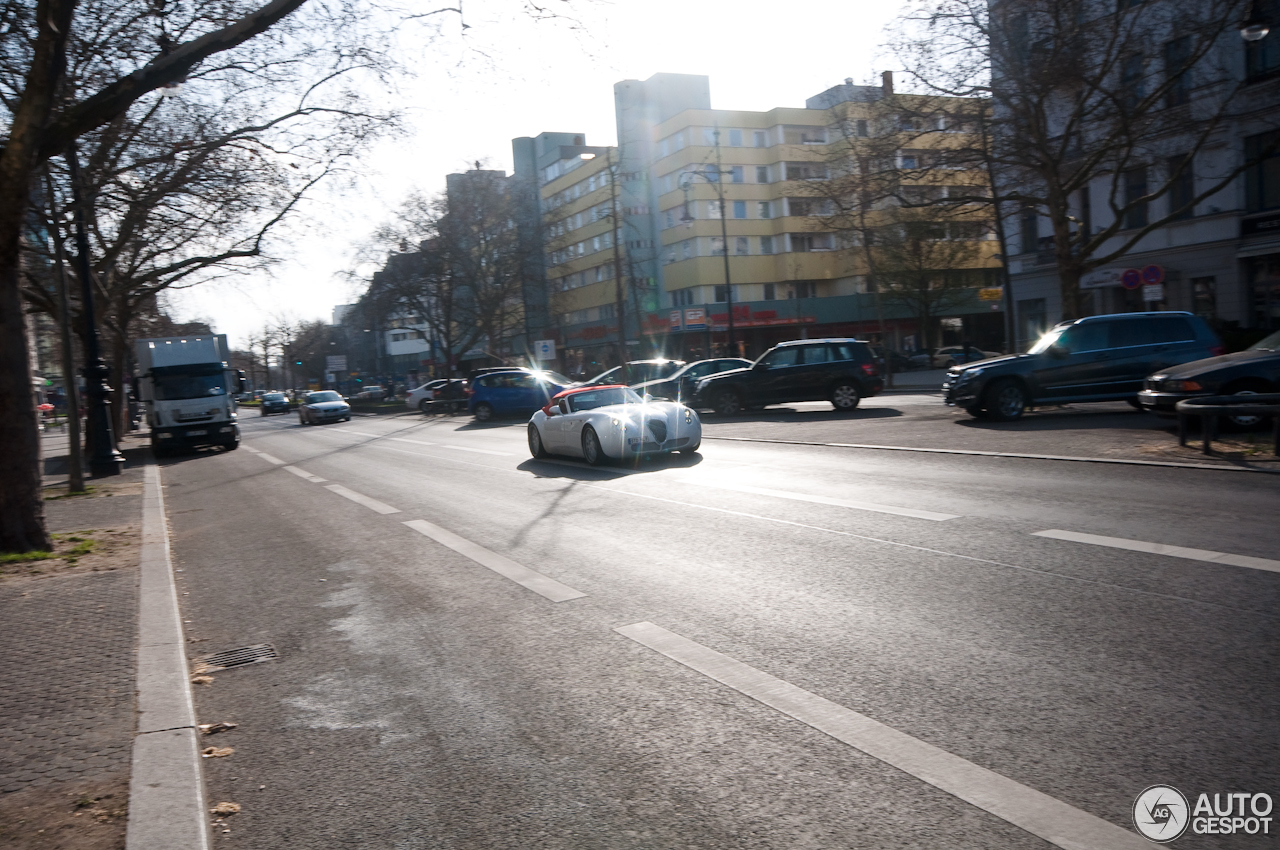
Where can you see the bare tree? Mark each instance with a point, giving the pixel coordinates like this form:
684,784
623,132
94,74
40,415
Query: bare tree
1109,120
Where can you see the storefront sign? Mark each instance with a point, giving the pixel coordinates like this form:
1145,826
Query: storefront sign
1098,278
991,293
1266,224
1153,292
695,319
676,323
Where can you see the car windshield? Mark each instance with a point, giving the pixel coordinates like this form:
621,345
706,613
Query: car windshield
1043,343
653,371
273,397
327,395
174,387
1271,343
602,398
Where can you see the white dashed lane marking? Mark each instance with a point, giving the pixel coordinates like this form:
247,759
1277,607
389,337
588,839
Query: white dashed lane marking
1207,555
823,500
1053,820
303,474
500,564
361,499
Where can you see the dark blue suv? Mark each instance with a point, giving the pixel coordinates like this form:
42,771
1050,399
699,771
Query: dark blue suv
1098,358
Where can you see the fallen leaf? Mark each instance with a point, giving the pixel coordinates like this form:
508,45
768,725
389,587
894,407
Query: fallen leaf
217,752
215,728
202,680
226,809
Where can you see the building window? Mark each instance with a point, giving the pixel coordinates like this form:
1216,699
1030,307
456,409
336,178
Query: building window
760,138
1262,179
686,249
1262,57
770,292
1182,186
805,242
714,210
806,171
722,294
1131,79
765,209
1035,320
717,246
766,244
1135,187
682,297
1177,69
739,209
1029,222
1086,211
738,174
762,174
669,219
804,289
860,128
1202,297
710,136
741,246
735,138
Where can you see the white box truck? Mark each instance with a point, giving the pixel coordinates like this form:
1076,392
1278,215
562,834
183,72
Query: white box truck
188,389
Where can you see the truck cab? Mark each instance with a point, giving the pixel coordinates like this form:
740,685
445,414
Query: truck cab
188,390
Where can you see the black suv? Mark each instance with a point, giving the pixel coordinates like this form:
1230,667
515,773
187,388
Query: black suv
1099,358
841,371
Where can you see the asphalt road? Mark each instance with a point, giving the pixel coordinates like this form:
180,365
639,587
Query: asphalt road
843,648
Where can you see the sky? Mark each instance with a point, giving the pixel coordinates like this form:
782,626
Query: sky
471,92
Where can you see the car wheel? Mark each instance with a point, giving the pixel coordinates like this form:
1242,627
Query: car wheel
728,403
232,446
1244,423
301,420
591,451
845,397
1006,400
976,412
424,406
535,442
484,411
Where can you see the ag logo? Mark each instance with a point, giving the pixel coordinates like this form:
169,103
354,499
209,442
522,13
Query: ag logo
1161,813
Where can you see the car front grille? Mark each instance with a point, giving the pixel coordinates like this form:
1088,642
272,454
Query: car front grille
659,430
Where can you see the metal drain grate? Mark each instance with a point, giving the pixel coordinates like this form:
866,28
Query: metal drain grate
236,657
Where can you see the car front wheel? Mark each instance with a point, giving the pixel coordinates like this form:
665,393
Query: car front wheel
535,442
728,403
1244,423
845,397
1006,400
484,411
591,451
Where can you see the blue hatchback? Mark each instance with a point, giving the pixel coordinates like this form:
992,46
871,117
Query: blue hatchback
517,391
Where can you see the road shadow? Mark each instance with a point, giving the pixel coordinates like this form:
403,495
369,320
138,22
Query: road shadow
579,471
1075,419
790,414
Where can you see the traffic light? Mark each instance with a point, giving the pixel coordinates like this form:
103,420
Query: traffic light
299,362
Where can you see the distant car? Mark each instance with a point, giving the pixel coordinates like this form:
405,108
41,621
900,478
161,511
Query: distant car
636,372
604,423
1255,370
516,391
555,376
1097,358
888,357
323,406
681,385
274,403
945,358
371,393
428,396
841,371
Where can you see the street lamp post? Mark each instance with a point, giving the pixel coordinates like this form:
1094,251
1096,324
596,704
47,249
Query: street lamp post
105,458
724,229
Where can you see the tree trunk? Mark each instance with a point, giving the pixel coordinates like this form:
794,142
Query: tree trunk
21,500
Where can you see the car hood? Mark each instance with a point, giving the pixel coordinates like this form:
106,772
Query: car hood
727,374
992,361
329,405
1223,361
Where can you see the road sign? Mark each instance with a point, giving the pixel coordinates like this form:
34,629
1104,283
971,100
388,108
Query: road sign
992,293
335,363
1152,275
1131,279
1153,292
544,349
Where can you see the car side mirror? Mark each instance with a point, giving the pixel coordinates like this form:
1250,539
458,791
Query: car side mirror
1058,352
551,410
648,398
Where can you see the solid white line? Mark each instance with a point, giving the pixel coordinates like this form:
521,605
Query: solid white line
823,500
519,573
1036,812
1163,549
249,448
415,442
303,474
360,498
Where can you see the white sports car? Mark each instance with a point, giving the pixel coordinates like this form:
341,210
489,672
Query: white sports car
599,424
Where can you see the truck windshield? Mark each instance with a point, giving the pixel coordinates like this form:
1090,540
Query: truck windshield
174,387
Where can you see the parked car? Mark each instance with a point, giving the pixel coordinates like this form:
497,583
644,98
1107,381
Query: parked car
371,393
323,406
899,361
555,376
517,391
274,403
945,358
603,423
426,397
681,385
841,371
1254,370
635,372
1098,358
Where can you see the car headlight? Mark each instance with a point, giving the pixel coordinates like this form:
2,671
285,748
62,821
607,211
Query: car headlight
688,416
617,423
